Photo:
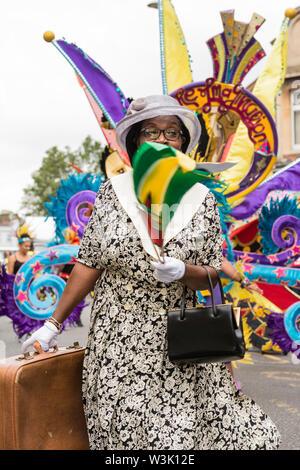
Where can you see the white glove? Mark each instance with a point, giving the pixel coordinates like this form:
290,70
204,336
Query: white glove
294,359
46,336
171,270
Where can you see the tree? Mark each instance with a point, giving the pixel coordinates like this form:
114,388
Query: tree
55,167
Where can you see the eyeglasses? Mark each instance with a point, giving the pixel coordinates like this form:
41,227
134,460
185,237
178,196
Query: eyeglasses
152,133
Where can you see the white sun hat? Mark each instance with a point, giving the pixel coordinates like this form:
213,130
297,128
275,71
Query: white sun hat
158,105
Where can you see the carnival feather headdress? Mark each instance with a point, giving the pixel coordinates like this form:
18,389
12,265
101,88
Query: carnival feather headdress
23,233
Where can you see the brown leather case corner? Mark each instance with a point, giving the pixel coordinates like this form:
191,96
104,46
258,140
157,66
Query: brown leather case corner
41,402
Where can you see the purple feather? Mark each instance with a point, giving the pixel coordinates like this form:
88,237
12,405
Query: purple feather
275,321
286,179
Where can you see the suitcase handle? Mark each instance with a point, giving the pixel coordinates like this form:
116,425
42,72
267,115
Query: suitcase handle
39,350
38,347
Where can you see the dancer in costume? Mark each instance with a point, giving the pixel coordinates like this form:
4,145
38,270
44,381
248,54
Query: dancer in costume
134,397
24,252
22,300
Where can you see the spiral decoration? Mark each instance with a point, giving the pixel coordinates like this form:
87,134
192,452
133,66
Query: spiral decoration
283,223
285,329
30,279
278,237
279,225
76,214
292,322
64,209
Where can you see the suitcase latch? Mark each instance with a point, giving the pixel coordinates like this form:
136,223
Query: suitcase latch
76,345
26,356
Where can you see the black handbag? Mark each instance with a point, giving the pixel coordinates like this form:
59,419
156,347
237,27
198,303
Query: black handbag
205,334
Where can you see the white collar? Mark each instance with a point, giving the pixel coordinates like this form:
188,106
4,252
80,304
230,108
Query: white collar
188,206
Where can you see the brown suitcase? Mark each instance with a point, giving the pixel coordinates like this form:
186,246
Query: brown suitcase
40,401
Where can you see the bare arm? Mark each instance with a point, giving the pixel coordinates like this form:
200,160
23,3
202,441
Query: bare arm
81,281
195,277
230,271
10,264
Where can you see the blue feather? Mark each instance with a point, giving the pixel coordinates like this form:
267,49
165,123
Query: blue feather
67,189
269,214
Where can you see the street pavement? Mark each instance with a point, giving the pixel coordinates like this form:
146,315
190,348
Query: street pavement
274,383
269,379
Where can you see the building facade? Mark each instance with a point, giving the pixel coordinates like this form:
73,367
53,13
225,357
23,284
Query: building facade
288,102
8,226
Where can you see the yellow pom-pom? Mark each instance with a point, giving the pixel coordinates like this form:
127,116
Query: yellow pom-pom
290,13
48,36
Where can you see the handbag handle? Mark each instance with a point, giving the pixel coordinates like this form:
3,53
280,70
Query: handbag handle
213,302
219,283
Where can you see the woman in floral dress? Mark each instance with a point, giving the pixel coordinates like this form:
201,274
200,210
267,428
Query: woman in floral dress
134,397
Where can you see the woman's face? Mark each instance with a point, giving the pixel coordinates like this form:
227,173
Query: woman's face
162,123
25,247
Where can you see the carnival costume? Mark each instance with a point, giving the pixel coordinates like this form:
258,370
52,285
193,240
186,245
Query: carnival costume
28,296
249,141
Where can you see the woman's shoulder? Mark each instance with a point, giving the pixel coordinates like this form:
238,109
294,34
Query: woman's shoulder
106,193
104,186
12,257
112,186
208,208
210,198
104,190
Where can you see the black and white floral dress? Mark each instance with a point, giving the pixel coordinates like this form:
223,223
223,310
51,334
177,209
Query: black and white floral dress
134,397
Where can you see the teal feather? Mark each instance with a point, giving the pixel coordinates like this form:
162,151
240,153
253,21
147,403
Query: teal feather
56,207
269,214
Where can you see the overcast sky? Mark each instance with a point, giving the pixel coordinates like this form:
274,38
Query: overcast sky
41,103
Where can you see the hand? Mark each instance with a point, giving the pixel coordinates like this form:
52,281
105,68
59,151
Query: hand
46,336
254,287
171,270
250,286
